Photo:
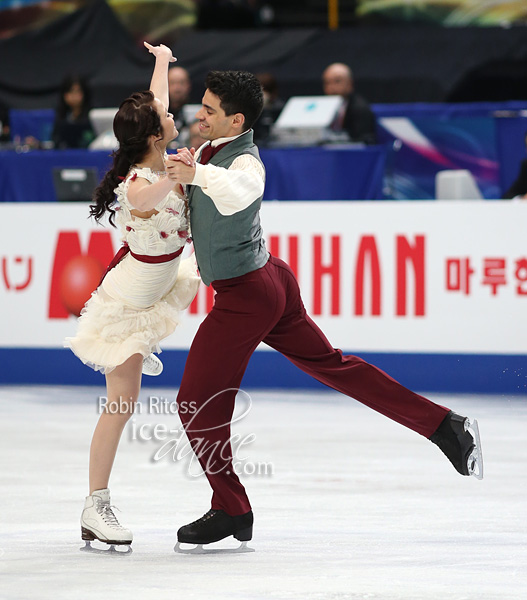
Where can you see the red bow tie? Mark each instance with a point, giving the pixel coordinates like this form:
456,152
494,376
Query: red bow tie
209,151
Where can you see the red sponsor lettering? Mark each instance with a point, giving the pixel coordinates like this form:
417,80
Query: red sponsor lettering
494,273
204,300
458,273
292,245
17,273
410,256
369,254
331,270
521,276
410,275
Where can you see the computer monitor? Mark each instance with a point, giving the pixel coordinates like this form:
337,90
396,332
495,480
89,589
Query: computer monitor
102,119
306,120
102,123
75,184
189,112
309,112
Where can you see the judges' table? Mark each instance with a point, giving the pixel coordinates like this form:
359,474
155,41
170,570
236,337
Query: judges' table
343,173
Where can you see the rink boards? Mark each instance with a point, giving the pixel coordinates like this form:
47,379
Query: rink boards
433,292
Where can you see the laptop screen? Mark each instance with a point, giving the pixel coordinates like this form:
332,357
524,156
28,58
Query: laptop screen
309,112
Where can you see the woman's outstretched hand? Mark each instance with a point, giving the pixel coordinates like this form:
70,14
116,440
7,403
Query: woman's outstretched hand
160,51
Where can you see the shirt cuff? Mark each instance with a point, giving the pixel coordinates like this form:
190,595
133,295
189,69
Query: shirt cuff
199,175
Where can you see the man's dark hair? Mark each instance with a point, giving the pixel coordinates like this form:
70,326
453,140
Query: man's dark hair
239,92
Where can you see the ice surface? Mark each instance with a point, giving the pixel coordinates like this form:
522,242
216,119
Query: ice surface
356,506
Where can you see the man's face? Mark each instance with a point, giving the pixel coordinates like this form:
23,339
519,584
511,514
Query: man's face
213,122
178,86
337,82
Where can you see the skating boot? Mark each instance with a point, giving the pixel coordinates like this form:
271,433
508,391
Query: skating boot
152,365
213,527
98,522
458,438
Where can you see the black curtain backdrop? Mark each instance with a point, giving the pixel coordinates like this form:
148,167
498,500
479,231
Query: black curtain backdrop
90,42
391,64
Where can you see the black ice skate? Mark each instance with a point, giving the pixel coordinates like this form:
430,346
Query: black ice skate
459,440
212,527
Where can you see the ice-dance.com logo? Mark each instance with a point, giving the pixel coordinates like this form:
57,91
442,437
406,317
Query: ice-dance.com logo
155,405
202,447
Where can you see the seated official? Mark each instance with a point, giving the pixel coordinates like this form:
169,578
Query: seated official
73,128
355,116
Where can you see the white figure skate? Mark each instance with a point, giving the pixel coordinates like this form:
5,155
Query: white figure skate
98,522
152,365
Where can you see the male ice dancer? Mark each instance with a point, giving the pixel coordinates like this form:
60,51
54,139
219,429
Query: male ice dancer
258,299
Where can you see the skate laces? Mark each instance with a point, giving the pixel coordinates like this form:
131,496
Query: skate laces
107,514
152,365
208,515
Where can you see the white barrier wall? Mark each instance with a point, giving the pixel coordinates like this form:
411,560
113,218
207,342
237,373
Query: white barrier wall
376,276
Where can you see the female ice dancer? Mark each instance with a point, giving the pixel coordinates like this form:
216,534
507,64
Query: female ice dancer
138,301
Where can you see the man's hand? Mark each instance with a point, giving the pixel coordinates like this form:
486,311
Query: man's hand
181,167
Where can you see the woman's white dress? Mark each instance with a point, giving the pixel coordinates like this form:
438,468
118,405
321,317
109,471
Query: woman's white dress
138,303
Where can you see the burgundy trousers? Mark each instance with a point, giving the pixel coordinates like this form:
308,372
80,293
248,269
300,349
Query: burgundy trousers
265,305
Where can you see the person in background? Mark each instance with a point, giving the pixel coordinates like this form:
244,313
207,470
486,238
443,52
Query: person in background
355,116
195,139
179,87
272,108
73,128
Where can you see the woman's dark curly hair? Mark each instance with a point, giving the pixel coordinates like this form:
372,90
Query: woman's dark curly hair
135,121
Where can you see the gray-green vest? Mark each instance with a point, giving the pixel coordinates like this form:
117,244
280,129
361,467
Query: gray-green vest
227,246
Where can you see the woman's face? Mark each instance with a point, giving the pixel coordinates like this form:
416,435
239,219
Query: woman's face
74,97
167,122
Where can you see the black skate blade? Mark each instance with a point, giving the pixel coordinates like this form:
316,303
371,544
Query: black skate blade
200,549
475,459
111,549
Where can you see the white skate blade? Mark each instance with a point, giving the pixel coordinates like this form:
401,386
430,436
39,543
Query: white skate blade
111,549
200,549
475,459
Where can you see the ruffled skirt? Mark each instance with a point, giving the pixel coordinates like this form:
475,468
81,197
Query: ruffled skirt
136,306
